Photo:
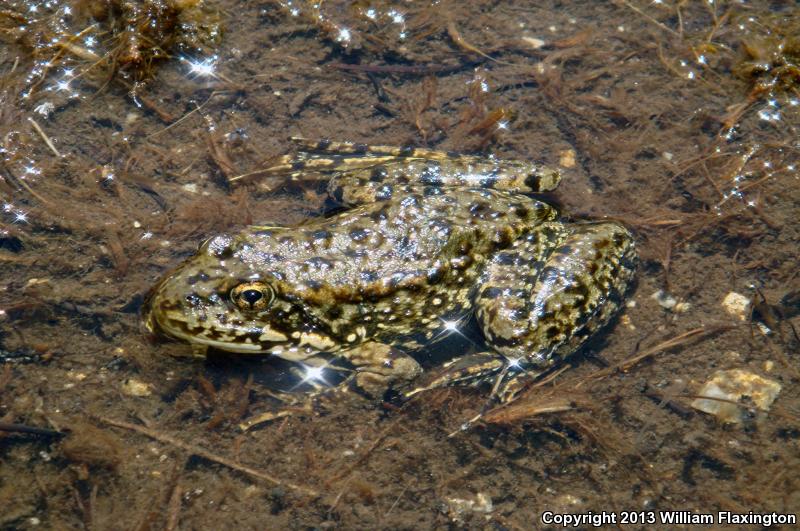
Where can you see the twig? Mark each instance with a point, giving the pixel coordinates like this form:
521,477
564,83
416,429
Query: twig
174,508
452,31
395,501
402,69
205,454
651,19
627,364
185,116
22,428
44,137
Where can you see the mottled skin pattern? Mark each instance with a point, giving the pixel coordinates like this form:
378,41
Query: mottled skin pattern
428,238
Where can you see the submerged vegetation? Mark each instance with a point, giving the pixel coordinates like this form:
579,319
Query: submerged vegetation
125,129
100,41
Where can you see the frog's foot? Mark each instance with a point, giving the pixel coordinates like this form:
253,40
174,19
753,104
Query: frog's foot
506,377
483,368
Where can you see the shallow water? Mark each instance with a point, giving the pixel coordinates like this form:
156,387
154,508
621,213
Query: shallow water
660,117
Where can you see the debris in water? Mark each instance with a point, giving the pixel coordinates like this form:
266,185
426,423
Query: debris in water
459,508
735,394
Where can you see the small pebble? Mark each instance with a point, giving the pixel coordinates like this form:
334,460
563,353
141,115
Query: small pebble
533,42
567,158
737,305
133,387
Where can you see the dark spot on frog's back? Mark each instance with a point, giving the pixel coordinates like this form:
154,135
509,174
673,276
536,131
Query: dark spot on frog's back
319,263
193,300
369,276
478,209
601,244
321,235
356,253
506,258
384,193
194,279
435,275
492,293
564,249
503,237
359,234
431,174
323,144
430,191
378,174
381,214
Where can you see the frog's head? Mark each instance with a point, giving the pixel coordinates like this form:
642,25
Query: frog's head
219,299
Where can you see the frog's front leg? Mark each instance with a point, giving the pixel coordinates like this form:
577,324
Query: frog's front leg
376,368
379,366
373,368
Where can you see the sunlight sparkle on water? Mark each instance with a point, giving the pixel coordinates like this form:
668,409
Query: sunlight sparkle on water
204,68
344,35
452,326
314,373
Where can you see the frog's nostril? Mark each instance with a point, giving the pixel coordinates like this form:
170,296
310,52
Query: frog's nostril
251,296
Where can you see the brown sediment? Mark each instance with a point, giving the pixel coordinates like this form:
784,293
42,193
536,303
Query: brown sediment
682,127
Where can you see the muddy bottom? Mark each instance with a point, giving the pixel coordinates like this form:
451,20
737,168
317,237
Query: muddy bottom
679,120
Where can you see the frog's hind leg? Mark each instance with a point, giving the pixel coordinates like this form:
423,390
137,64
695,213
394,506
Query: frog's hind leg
331,147
501,300
545,296
376,170
539,301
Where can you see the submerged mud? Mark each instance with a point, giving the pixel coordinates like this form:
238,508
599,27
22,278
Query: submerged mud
679,120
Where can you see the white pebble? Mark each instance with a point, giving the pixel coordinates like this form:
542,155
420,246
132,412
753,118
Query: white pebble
737,305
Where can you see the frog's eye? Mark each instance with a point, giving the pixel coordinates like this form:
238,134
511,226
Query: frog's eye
252,296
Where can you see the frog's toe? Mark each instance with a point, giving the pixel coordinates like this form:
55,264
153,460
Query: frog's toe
304,407
471,370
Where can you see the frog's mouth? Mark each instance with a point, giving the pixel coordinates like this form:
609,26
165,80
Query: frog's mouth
174,323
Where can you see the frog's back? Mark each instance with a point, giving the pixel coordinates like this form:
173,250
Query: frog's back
419,253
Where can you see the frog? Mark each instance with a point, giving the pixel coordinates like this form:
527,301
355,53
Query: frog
422,242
